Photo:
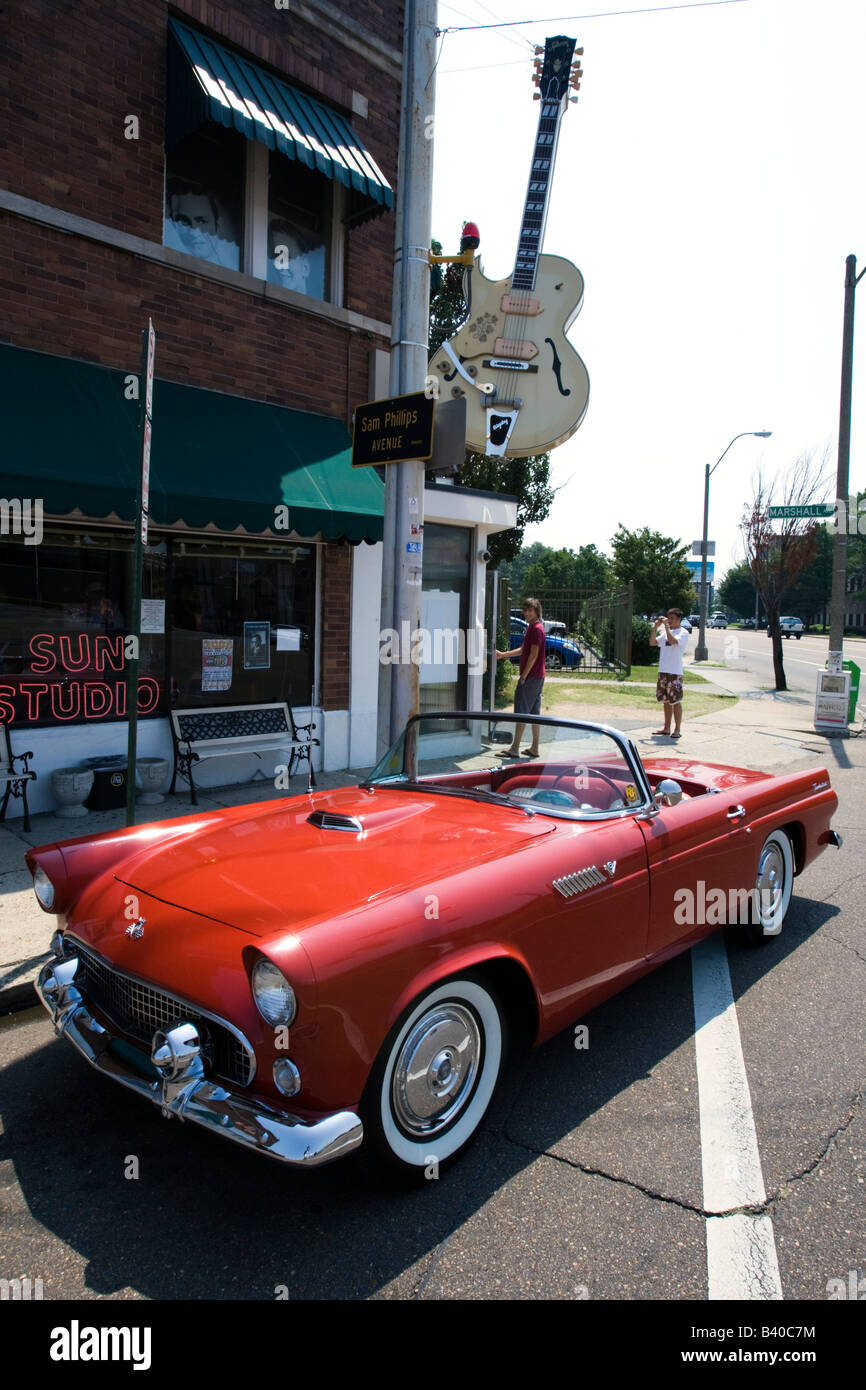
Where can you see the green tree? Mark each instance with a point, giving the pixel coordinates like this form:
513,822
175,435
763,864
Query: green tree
736,593
565,569
654,565
527,479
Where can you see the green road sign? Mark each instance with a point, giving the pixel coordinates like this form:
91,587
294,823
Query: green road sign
819,509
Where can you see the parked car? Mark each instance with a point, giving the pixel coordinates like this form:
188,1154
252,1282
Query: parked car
747,622
559,651
718,620
307,974
791,627
694,619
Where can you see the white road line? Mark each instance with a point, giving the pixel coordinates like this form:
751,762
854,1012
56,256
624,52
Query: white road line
741,1249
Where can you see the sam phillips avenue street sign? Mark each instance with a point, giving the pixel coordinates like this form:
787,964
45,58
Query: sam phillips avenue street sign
393,430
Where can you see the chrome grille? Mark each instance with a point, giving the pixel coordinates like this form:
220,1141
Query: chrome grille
139,1010
579,881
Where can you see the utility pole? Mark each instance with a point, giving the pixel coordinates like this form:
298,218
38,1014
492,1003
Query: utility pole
840,540
404,482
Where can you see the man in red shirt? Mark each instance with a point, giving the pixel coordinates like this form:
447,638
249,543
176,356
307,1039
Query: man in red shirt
527,696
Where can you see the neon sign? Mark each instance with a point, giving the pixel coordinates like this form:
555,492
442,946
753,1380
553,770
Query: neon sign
70,701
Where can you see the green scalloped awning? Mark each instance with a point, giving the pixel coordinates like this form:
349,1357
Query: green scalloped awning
70,437
225,87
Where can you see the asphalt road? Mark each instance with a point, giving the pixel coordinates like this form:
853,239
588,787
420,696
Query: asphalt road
585,1184
751,651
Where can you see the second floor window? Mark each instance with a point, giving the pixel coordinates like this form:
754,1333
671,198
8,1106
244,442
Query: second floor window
204,196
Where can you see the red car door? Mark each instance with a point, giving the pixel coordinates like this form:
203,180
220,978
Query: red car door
698,852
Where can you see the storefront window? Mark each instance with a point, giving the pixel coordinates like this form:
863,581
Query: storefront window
64,612
445,616
298,217
219,625
204,196
242,624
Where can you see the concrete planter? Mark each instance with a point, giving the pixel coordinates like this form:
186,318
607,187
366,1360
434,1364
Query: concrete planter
71,787
151,774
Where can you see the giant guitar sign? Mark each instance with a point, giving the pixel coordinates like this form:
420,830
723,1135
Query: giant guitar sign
526,388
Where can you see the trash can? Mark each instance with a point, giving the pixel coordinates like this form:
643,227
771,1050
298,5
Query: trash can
109,783
855,688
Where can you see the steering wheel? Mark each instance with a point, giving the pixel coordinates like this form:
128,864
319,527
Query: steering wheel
617,805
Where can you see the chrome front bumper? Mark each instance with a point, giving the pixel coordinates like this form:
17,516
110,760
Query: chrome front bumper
184,1090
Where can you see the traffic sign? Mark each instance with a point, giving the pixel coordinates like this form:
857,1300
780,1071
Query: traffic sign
819,509
698,547
392,430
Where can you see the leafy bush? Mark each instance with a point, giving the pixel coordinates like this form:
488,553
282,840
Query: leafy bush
642,654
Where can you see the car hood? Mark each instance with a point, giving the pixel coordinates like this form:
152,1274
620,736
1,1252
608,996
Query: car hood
273,870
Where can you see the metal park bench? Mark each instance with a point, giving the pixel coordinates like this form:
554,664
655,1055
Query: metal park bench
16,782
224,730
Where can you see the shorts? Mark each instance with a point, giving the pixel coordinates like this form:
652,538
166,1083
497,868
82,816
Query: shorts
527,697
669,688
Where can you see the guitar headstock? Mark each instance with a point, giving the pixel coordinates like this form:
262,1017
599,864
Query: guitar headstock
558,69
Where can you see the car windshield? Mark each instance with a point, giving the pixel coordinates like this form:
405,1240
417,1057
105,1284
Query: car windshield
580,771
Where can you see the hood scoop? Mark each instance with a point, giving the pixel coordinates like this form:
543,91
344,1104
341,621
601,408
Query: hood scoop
335,820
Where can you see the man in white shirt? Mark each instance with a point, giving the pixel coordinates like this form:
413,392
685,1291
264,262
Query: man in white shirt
669,635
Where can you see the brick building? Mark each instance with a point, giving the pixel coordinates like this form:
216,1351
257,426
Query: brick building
226,170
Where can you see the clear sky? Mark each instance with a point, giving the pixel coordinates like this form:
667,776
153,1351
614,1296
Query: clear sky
709,185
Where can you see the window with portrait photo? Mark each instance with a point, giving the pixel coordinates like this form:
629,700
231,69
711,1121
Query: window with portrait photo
204,196
299,215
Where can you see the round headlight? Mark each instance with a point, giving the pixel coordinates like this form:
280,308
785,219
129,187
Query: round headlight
274,996
44,889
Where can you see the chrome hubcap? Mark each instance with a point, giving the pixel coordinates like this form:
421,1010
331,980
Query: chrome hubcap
436,1070
770,881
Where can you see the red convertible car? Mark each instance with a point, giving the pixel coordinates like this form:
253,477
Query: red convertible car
305,974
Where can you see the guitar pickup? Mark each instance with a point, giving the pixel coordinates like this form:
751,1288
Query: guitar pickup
520,304
509,364
520,348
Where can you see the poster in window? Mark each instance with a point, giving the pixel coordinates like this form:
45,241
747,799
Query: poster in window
257,646
216,663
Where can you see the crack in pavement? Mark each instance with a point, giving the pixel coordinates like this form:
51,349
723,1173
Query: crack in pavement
845,946
783,1191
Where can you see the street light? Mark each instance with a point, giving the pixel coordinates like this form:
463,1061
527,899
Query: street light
701,653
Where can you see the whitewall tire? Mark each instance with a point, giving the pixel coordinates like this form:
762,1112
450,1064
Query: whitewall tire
436,1075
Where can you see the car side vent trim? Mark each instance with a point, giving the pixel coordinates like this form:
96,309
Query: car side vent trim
579,882
332,820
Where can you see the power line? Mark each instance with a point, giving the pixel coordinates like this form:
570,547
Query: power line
603,14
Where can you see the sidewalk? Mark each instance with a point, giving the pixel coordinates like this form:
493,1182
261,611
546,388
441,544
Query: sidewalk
765,730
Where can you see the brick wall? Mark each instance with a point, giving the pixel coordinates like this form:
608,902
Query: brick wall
76,69
336,625
90,301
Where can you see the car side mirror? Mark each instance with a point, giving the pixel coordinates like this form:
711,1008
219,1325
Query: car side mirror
669,792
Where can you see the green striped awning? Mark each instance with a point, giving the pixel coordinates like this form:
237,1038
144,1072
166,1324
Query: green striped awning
70,437
228,88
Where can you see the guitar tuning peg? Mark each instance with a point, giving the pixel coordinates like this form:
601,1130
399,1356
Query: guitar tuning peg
536,96
572,98
541,50
579,52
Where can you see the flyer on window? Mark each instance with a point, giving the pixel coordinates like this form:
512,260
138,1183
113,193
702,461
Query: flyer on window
257,646
216,663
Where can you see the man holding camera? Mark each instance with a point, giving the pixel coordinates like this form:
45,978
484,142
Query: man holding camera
669,635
